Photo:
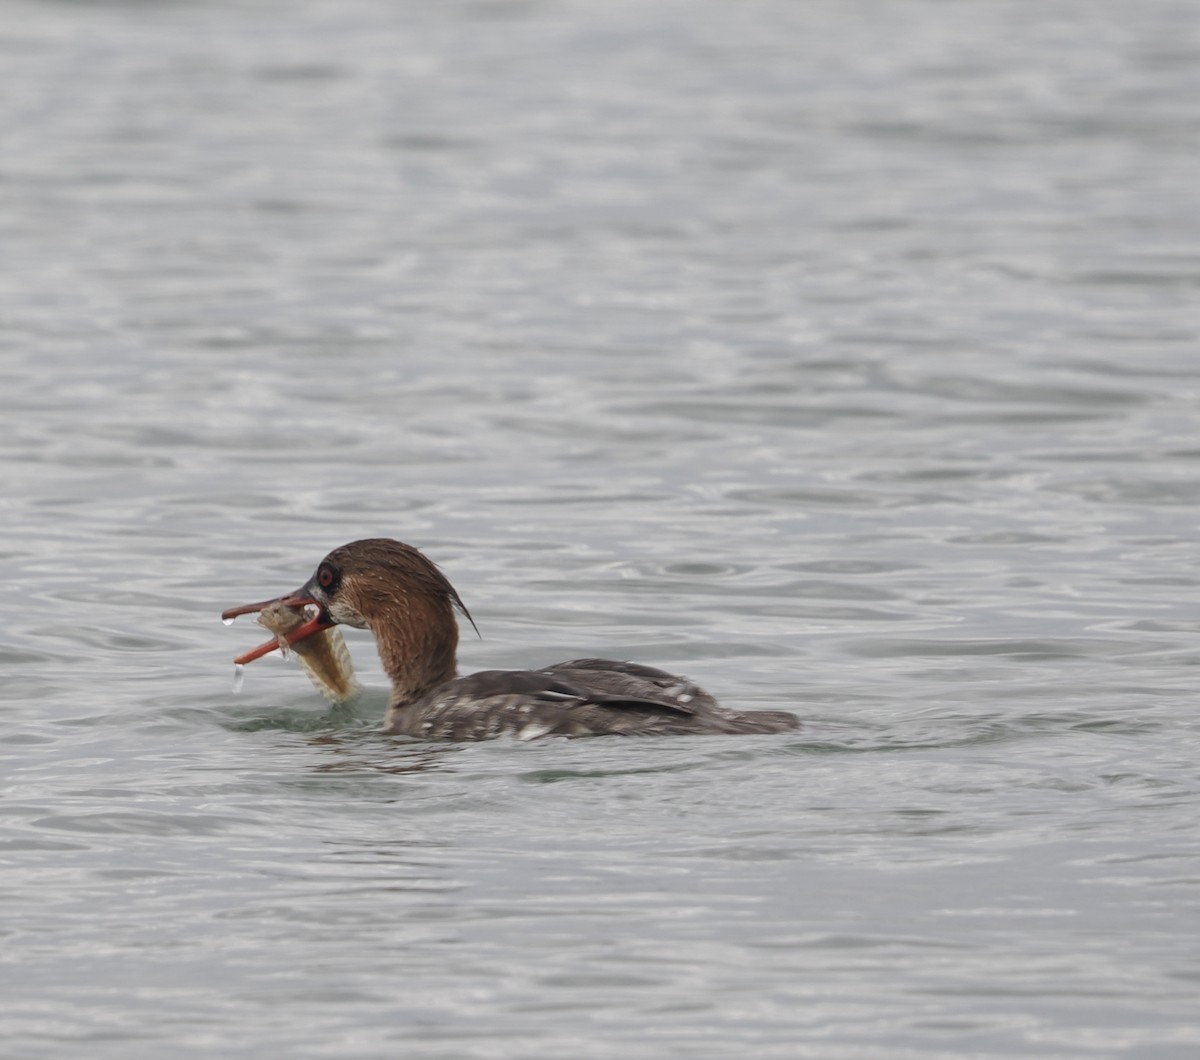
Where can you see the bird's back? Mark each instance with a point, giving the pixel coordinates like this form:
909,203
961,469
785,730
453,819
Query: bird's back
582,697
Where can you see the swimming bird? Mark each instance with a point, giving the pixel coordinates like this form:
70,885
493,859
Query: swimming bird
405,600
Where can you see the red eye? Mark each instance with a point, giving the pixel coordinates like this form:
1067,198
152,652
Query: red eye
326,577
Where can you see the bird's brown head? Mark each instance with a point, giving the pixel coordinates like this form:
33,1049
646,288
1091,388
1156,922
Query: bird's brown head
378,580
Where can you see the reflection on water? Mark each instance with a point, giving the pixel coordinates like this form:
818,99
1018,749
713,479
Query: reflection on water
841,359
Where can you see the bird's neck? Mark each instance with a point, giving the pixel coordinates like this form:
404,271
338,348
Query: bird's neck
417,640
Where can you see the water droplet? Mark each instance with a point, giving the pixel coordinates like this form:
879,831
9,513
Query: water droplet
239,677
228,621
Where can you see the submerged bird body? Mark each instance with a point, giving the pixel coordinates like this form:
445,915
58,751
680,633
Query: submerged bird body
408,604
584,697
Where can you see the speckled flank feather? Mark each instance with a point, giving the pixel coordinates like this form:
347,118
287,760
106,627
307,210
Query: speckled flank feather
584,697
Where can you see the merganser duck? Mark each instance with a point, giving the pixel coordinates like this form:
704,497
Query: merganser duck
408,604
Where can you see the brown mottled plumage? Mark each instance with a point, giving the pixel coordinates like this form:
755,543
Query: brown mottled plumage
404,599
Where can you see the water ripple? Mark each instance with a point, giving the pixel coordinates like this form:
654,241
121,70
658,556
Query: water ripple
845,364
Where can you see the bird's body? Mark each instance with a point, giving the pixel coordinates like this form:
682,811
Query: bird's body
408,604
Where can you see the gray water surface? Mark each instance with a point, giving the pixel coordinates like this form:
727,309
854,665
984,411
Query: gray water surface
844,357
